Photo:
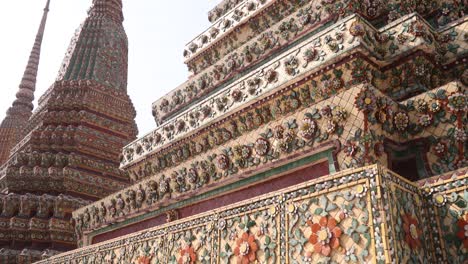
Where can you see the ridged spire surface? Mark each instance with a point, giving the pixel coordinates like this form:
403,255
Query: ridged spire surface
72,141
21,110
109,8
98,51
85,117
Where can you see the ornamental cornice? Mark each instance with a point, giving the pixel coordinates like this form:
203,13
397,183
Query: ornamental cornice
273,106
118,129
213,77
320,11
257,40
221,166
94,91
254,85
323,122
48,171
23,205
39,218
72,179
324,49
222,8
225,25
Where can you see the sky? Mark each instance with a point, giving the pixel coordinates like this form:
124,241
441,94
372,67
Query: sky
157,31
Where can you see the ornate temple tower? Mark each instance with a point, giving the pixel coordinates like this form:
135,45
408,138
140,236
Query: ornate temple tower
69,151
307,132
21,110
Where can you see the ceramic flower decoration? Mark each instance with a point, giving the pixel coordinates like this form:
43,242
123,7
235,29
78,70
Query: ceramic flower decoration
325,235
187,256
246,249
412,231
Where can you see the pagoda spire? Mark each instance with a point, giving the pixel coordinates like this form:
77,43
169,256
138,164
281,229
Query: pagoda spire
99,50
19,113
109,8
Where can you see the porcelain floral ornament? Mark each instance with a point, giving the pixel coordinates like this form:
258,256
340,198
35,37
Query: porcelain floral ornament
325,235
246,249
412,231
356,78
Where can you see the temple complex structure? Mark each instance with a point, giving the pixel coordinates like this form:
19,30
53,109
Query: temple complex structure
65,154
327,131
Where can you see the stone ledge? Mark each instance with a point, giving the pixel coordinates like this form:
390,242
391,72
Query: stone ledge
156,139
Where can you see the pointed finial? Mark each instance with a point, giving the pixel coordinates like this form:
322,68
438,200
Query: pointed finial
46,8
20,111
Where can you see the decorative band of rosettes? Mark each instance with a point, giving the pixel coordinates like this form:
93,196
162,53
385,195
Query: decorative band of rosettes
410,32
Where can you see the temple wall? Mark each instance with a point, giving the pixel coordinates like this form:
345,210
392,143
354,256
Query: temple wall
278,181
341,125
357,215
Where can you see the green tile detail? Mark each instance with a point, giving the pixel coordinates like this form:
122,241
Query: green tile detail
328,154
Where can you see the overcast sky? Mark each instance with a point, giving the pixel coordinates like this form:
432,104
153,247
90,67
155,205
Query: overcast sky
157,32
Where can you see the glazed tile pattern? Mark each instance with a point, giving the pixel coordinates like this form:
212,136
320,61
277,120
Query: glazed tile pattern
220,28
21,110
339,124
68,151
286,145
448,199
352,35
291,27
367,215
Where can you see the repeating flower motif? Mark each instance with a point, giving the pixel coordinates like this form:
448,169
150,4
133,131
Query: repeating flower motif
242,152
439,199
236,95
460,134
325,235
291,65
163,186
350,148
246,249
440,148
308,127
310,54
221,224
412,231
417,29
144,259
330,126
401,121
434,106
421,106
361,191
356,29
425,120
421,70
222,161
382,115
339,114
457,102
187,256
278,132
462,233
366,100
192,175
271,76
262,146
326,111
